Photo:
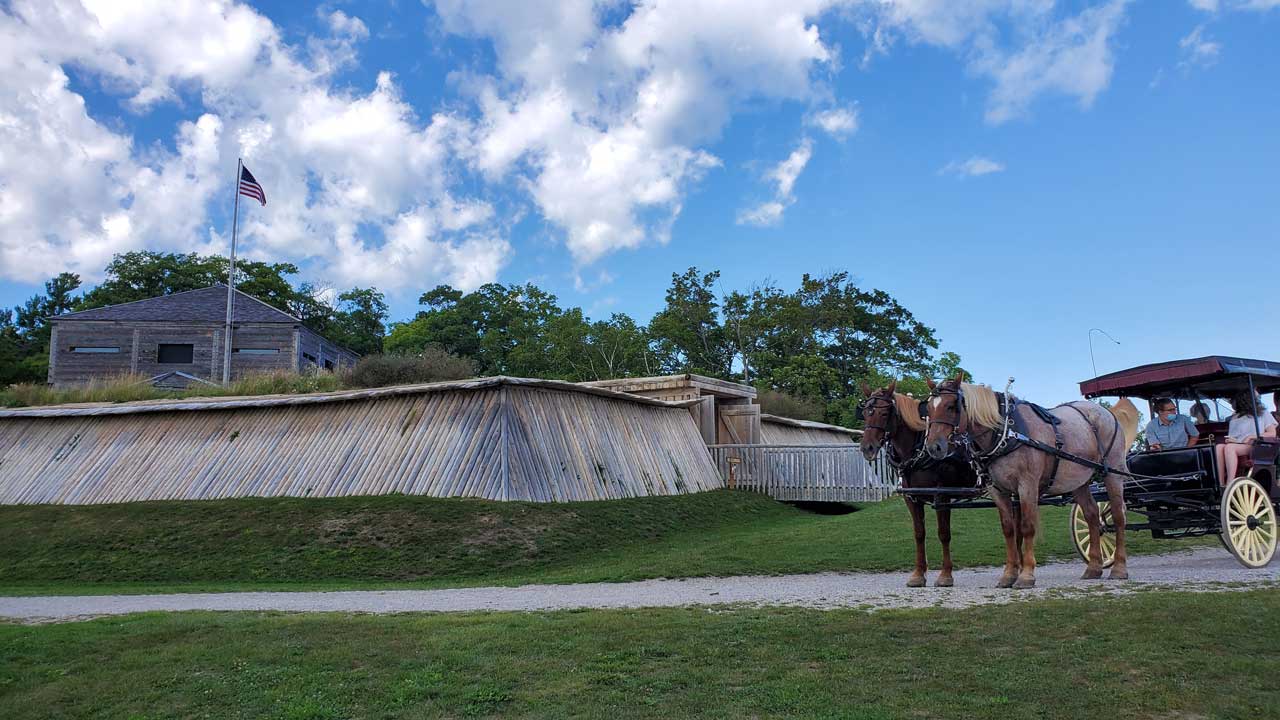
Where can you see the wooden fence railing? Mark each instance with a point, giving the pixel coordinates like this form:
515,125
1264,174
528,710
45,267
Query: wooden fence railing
819,473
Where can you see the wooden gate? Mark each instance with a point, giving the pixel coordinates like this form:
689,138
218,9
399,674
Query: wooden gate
817,473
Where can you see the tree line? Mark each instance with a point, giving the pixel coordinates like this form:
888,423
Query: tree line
807,350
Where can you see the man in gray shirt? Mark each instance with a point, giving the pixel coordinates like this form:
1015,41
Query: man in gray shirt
1169,429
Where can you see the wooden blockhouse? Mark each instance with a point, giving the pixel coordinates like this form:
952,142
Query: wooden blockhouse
173,338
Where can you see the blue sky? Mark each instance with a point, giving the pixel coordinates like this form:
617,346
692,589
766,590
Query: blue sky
1015,172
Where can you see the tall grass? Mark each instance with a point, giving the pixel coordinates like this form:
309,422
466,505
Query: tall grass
131,388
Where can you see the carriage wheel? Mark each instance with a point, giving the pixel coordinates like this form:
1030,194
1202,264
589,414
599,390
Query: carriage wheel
1080,533
1248,522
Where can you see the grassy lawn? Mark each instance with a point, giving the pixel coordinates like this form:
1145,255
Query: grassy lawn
1154,655
397,541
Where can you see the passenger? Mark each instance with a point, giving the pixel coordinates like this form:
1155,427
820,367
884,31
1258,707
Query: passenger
1168,429
1200,413
1242,433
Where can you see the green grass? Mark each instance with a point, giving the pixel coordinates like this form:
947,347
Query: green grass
1155,655
399,541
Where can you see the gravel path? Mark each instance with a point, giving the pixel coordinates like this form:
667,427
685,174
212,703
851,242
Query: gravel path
1201,570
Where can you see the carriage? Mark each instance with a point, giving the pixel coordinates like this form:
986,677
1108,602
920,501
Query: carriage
1174,493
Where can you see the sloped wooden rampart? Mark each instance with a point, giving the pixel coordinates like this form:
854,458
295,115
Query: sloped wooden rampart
495,438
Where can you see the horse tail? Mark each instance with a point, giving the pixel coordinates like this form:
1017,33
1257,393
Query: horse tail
1126,413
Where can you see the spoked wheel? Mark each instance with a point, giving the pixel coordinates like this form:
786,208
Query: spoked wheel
1248,522
1080,533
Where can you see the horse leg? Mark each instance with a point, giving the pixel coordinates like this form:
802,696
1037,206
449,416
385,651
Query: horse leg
1029,506
1009,526
944,535
1115,493
1093,564
1017,533
917,578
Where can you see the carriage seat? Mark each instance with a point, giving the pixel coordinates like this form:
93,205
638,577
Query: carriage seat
1264,454
1216,430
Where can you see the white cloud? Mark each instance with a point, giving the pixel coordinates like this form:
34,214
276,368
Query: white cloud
604,124
330,160
343,24
1198,50
839,123
1215,5
784,176
975,166
602,114
1025,47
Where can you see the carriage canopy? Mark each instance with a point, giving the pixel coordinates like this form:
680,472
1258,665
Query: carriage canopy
1212,376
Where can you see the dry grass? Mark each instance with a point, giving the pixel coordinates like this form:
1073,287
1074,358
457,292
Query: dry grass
130,388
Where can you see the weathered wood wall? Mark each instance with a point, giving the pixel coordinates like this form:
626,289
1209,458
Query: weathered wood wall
138,342
316,352
496,438
775,432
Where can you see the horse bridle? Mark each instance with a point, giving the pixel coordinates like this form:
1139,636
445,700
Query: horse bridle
963,441
878,403
938,392
891,452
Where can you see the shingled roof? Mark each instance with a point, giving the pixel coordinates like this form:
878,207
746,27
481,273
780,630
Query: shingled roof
206,305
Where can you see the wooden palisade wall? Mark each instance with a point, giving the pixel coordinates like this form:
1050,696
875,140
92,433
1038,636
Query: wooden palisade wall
495,438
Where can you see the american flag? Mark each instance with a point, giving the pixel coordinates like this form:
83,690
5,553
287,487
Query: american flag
249,186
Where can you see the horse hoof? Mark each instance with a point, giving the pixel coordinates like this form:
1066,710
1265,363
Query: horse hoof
1118,574
916,581
1024,583
1005,581
1091,574
944,581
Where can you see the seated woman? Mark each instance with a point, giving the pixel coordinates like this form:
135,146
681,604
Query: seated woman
1200,412
1242,434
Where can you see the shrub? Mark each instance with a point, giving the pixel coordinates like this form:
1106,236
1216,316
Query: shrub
431,365
790,406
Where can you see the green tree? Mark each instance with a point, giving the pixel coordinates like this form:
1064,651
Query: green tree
504,329
687,333
25,331
360,321
145,274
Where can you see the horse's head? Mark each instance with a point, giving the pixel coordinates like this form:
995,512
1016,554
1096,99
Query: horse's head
947,416
878,415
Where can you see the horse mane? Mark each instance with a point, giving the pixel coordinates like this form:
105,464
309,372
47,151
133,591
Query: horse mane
909,411
1125,411
981,404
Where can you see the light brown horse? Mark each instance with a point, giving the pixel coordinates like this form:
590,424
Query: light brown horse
968,418
892,417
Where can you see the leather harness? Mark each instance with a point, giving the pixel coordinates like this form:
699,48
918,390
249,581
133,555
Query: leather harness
1013,435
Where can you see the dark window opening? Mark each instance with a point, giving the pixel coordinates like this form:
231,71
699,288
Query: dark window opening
256,351
83,349
309,358
171,354
328,364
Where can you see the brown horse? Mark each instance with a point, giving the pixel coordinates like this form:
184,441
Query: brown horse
895,418
969,419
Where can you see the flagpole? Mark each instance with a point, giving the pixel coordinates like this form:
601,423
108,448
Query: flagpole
231,279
